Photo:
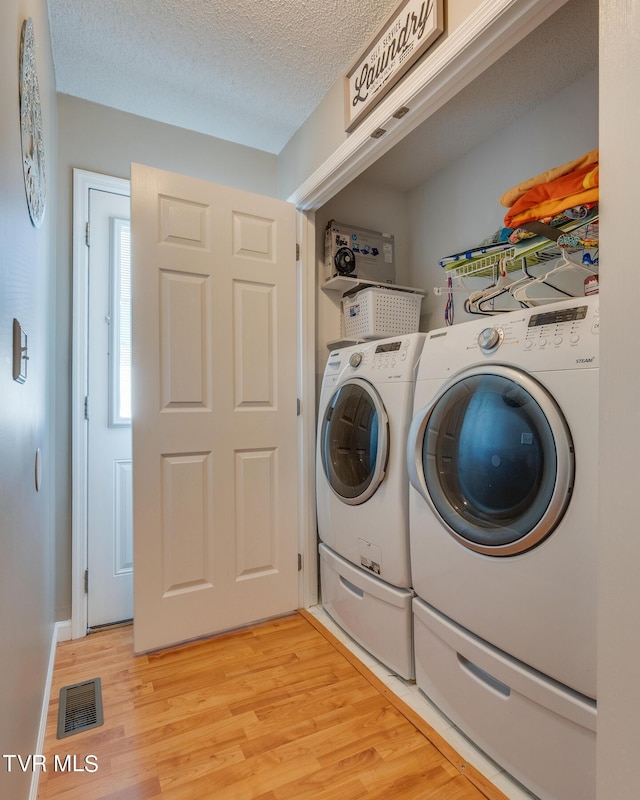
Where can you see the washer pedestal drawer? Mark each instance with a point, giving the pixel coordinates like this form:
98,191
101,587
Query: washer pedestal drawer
539,731
374,613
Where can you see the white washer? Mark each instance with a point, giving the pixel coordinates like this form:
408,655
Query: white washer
503,460
362,490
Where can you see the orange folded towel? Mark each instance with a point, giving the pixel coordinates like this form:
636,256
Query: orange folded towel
554,196
511,195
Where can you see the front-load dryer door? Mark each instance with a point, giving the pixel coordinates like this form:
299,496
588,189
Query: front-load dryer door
354,441
493,457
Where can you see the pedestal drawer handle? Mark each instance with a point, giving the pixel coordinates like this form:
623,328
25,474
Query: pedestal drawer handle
351,587
485,677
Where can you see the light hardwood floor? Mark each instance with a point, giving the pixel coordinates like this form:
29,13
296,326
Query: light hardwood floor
279,711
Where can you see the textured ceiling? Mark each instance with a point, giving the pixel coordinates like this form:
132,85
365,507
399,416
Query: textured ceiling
248,73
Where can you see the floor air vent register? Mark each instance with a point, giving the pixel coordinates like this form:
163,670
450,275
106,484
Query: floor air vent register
80,708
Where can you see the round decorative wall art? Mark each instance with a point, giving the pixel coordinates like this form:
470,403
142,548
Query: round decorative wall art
33,161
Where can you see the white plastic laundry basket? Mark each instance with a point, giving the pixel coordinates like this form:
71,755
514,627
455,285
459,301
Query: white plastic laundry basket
375,313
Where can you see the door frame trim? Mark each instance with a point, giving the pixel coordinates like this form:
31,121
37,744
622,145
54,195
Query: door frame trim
83,182
306,326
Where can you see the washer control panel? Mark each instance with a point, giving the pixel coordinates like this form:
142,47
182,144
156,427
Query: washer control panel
392,359
388,354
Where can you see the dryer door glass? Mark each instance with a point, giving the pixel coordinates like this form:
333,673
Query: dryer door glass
498,461
354,441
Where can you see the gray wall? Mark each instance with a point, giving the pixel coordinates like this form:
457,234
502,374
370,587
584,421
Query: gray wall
447,216
26,277
100,139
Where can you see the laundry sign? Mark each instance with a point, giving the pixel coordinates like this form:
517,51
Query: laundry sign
398,44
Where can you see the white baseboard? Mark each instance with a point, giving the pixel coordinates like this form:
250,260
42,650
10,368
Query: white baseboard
61,633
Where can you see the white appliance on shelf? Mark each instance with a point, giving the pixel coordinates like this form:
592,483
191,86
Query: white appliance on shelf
362,494
358,253
503,462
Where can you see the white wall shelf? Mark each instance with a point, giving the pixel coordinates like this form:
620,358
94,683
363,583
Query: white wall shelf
338,344
344,284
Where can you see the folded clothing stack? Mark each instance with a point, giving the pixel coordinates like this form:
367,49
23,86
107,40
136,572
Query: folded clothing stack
555,197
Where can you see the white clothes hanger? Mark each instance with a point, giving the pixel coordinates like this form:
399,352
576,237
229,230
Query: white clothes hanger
504,286
523,292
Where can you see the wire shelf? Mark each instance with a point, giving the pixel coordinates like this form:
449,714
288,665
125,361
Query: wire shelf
527,253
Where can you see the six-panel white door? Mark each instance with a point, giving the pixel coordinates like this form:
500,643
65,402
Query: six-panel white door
214,408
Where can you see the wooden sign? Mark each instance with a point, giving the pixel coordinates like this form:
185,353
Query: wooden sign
399,43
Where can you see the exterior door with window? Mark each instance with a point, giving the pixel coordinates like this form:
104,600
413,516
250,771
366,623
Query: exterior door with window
108,411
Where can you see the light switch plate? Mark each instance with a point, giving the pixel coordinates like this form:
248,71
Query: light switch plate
20,356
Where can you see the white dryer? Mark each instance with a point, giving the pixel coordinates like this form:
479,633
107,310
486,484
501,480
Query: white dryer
362,491
503,461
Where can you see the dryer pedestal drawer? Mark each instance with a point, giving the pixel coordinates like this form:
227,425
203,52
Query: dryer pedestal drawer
374,613
536,729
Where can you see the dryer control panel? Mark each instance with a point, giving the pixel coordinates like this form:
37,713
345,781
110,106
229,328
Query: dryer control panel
559,336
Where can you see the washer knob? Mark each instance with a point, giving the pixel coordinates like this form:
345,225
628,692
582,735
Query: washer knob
489,339
355,359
